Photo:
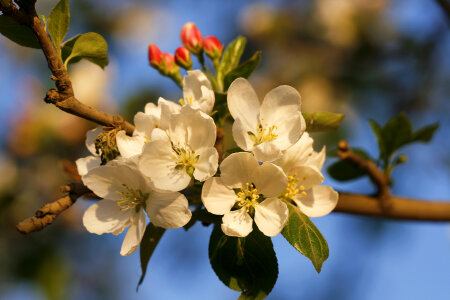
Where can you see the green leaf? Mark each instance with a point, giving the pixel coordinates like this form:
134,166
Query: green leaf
343,170
90,46
58,22
304,236
246,264
150,240
243,70
18,33
396,133
425,133
322,121
376,128
231,58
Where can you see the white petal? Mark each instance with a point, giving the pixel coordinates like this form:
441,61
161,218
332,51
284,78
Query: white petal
107,181
269,180
168,108
152,110
243,103
87,163
168,210
159,134
91,135
241,137
317,159
217,197
289,131
207,164
145,124
237,169
237,223
267,151
280,104
319,201
298,154
158,162
106,217
271,216
197,87
308,176
129,146
134,234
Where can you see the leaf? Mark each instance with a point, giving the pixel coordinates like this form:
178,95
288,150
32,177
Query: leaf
58,22
243,70
44,21
304,236
343,170
376,128
150,240
18,33
396,133
425,133
231,57
90,46
322,121
246,264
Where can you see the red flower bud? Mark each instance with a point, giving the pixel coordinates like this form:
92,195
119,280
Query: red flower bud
154,56
183,58
213,47
168,62
191,37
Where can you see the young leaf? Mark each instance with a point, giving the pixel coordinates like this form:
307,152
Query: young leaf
343,170
376,128
150,240
231,57
301,233
18,33
396,133
243,70
90,46
425,133
246,264
321,121
58,22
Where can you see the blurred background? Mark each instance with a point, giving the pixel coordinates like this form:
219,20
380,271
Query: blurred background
366,59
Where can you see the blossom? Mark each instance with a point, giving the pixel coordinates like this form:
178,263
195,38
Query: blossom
154,56
85,164
302,165
183,57
198,92
191,37
269,128
126,194
184,150
247,189
213,47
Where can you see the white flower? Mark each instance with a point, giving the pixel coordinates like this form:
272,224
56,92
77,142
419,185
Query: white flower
302,165
267,129
197,91
85,164
186,149
247,189
126,194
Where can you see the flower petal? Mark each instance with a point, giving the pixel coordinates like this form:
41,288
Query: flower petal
129,146
106,217
267,151
240,135
298,154
152,110
237,223
197,87
317,159
91,136
87,163
168,210
158,162
289,131
134,234
269,180
243,103
145,124
208,161
168,108
271,216
319,201
217,197
280,104
308,176
237,169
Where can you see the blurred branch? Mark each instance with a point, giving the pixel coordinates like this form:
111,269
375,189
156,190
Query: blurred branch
63,97
375,174
445,5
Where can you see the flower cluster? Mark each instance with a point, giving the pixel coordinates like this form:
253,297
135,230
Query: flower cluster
172,150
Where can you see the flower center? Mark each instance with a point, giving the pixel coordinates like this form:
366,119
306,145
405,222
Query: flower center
186,159
187,100
247,196
131,198
264,133
293,189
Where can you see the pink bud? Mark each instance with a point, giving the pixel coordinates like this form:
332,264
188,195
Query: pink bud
154,56
183,58
213,47
169,65
191,37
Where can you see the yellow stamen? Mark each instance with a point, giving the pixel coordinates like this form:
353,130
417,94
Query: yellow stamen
264,133
186,158
131,198
247,196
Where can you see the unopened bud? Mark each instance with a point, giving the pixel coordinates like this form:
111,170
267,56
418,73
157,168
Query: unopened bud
154,56
213,47
168,64
183,58
192,38
402,159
